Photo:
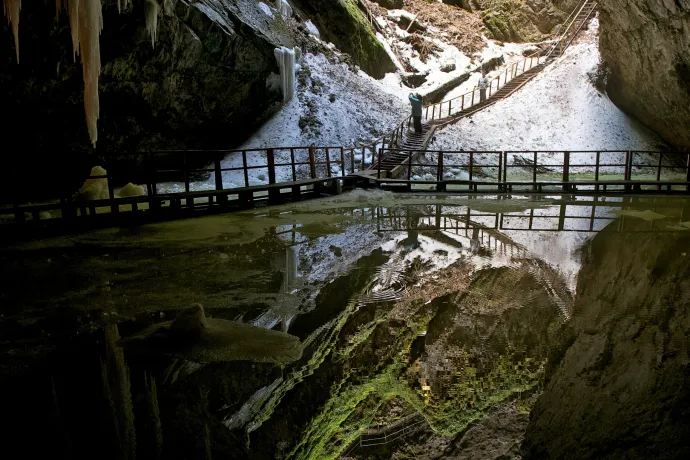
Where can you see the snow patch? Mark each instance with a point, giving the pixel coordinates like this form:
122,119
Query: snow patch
266,9
312,28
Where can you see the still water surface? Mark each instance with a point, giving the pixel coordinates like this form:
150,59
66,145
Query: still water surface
366,325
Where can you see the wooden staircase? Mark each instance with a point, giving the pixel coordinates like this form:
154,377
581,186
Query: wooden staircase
412,142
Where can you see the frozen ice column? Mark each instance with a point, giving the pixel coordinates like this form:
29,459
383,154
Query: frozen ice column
287,60
284,8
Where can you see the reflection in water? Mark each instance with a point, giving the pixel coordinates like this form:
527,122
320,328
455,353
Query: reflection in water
118,397
424,325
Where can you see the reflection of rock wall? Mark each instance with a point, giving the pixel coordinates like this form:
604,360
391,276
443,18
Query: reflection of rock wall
618,383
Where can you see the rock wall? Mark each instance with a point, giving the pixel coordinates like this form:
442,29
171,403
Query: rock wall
519,21
618,385
646,45
342,23
208,83
203,85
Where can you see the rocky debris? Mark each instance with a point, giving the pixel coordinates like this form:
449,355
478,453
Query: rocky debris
448,67
390,4
646,46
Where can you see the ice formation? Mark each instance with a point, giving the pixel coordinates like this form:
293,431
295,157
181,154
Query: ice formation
94,189
11,8
86,23
152,19
131,190
312,28
287,59
284,8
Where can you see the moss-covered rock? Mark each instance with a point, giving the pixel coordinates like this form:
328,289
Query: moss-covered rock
524,20
342,22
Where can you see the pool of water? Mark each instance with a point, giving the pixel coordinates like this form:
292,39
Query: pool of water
368,325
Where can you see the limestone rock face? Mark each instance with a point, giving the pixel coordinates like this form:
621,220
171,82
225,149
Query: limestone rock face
529,20
646,44
617,383
343,23
208,71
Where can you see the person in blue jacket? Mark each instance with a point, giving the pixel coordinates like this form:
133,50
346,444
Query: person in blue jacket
416,101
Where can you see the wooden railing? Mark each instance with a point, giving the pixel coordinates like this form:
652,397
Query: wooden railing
572,29
446,109
669,169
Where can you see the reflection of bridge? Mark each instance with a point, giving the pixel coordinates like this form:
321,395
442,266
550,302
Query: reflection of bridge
592,215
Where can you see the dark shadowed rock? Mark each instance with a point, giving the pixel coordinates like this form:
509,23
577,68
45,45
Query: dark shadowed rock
617,383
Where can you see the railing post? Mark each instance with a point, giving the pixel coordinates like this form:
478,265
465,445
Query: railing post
114,207
342,162
352,160
218,173
244,168
491,85
328,162
534,172
471,164
658,171
687,172
378,173
292,163
433,112
439,175
270,163
473,91
596,171
409,168
450,107
312,166
500,170
505,168
463,103
566,170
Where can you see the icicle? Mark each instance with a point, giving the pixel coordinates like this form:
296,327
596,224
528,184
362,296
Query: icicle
90,24
12,8
168,7
59,4
286,58
152,19
73,11
122,5
284,8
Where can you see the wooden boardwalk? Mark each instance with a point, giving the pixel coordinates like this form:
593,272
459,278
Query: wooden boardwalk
403,142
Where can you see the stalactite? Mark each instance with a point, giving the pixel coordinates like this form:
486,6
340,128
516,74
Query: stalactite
90,24
12,8
73,12
152,19
168,7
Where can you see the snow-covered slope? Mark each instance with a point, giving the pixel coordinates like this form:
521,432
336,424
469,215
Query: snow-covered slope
344,106
559,109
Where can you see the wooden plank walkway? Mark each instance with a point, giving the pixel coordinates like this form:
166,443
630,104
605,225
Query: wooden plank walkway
515,76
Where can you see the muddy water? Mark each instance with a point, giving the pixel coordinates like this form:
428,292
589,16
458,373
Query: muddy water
425,323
